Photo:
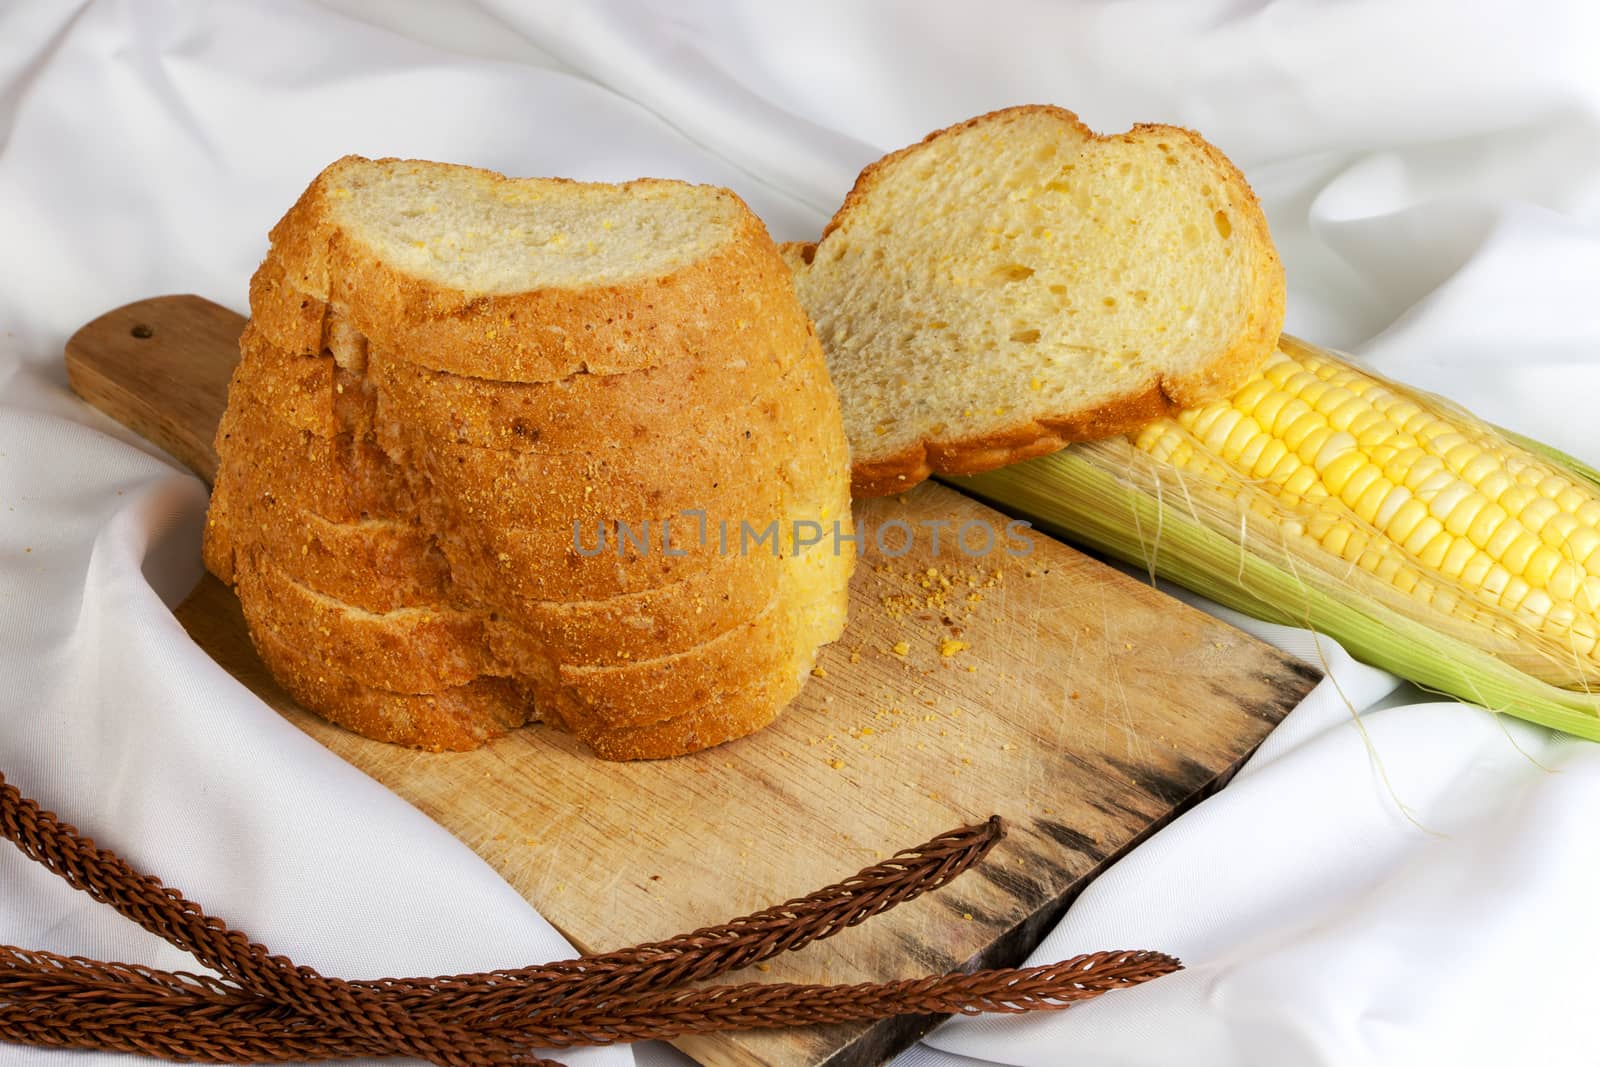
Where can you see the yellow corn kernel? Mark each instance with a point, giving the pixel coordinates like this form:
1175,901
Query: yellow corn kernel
1479,467
1337,538
1404,519
1458,551
1366,506
1363,479
1386,567
1351,413
1398,462
1571,499
1536,604
1587,599
1565,581
1476,572
1265,411
1291,413
1244,431
1503,538
1496,484
1422,536
1538,512
1489,520
1399,496
1272,454
1252,394
1431,550
1336,474
1552,486
1518,552
1541,565
1305,423
1444,494
1558,529
1208,416
1581,543
1314,391
1423,467
1517,499
1495,580
1252,450
1303,481
1309,447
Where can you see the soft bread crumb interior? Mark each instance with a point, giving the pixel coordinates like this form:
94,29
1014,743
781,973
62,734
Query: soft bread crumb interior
480,233
1016,269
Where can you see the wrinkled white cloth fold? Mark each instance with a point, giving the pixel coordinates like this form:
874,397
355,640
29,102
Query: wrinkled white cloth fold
1391,880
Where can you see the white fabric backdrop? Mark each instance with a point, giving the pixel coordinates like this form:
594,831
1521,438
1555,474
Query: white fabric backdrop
1410,888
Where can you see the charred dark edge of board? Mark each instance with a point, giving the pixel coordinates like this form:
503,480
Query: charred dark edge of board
877,1043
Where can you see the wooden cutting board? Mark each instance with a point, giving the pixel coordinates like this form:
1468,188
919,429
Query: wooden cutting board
1086,708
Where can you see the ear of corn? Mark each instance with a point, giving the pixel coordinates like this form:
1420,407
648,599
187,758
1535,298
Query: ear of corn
1425,541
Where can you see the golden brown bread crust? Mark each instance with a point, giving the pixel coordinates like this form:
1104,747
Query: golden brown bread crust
216,539
292,321
1013,444
409,650
538,490
342,479
1160,396
701,729
453,720
541,561
637,694
654,619
298,390
633,626
583,413
726,717
402,543
375,565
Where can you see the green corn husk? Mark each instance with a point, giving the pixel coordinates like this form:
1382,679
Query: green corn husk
1113,497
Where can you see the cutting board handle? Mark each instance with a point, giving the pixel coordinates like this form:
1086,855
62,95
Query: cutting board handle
161,368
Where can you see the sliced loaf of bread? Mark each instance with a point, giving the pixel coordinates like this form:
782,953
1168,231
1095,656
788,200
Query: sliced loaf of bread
446,371
1017,282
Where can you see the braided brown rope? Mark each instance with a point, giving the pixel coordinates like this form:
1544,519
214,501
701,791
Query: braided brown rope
711,951
266,1009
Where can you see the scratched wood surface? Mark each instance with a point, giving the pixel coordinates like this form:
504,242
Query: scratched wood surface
1086,708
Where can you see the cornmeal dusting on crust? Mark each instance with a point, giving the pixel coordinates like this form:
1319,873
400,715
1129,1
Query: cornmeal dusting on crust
447,378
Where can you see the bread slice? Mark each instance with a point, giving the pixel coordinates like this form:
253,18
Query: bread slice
638,694
583,414
1017,282
455,719
373,565
723,718
342,478
436,386
529,279
423,649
